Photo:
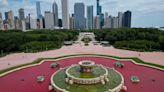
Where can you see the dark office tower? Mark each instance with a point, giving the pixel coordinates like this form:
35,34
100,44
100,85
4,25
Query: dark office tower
101,20
38,10
21,14
6,15
60,23
79,10
127,19
55,13
98,7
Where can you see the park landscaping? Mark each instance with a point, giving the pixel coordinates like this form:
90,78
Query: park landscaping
114,80
151,78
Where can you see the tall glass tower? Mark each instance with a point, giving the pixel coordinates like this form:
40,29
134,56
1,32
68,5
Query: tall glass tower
90,17
39,15
127,19
79,10
65,14
98,7
55,13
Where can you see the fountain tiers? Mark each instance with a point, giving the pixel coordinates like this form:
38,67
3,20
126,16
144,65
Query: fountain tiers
86,67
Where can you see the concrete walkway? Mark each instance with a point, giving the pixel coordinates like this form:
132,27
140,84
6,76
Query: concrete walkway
22,58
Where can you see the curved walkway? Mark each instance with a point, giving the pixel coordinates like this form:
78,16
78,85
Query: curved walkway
22,58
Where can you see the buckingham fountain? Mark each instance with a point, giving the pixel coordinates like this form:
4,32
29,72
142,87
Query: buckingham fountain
86,76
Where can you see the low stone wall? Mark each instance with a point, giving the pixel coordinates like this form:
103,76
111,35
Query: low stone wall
116,89
55,87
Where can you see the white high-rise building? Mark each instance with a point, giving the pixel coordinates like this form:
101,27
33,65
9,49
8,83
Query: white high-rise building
107,21
10,19
33,23
17,23
55,12
23,25
65,14
49,20
97,22
115,22
120,19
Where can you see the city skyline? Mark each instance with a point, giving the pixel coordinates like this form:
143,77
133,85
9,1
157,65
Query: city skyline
142,16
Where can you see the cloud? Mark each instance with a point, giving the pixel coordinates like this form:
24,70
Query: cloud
3,3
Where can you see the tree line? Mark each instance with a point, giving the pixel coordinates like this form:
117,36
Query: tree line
34,41
138,39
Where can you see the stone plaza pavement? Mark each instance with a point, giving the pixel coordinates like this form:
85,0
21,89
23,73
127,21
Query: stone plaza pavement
22,58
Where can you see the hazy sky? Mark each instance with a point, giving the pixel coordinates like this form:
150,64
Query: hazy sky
145,13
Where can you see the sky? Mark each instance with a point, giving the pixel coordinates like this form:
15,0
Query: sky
145,13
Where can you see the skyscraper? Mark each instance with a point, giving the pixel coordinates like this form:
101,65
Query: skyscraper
120,19
33,23
101,20
79,10
10,19
99,8
127,19
0,15
38,10
16,22
40,23
21,14
6,15
99,12
55,12
65,14
115,22
72,22
49,20
90,17
97,22
107,21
